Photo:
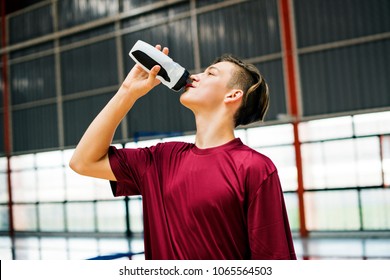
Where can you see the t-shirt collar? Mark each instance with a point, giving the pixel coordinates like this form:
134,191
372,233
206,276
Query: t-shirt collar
225,147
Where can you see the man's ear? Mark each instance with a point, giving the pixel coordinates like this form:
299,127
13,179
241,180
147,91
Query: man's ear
235,95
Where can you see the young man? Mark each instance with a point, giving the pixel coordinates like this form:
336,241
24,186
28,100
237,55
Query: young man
215,199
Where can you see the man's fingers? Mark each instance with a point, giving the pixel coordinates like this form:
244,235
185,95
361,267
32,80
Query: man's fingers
155,69
165,50
153,73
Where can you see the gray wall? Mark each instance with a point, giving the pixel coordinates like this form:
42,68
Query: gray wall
344,54
66,60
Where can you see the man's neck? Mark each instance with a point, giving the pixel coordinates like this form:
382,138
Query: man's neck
213,132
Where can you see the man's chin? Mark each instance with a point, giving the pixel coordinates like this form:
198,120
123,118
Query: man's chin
185,100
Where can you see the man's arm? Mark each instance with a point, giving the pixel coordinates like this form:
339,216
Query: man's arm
91,155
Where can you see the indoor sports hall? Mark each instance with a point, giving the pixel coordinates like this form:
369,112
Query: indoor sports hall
327,63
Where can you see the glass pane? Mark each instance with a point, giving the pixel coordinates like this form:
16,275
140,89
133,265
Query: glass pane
340,164
3,188
314,172
51,185
81,216
369,169
4,218
49,159
67,155
24,186
377,248
3,180
79,187
27,248
3,164
25,217
5,248
51,217
332,210
374,123
270,135
82,248
22,162
326,129
291,200
131,145
376,209
137,246
111,216
82,187
54,248
242,134
284,159
136,216
109,246
103,189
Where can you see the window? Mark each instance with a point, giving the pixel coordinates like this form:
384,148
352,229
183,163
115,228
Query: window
332,210
80,216
5,248
27,248
25,217
373,123
323,129
376,209
24,186
111,216
3,180
4,219
51,217
53,248
284,159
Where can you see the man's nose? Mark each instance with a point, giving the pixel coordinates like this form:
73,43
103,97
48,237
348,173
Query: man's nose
195,77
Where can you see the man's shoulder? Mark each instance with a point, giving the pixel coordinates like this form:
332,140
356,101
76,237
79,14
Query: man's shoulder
252,154
254,159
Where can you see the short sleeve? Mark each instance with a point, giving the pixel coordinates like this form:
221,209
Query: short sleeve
268,227
128,166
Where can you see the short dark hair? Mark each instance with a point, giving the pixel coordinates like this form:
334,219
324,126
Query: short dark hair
255,101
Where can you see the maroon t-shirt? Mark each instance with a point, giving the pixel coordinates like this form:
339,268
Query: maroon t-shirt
218,203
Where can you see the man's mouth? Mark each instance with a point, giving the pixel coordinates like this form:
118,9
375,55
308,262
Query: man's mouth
189,85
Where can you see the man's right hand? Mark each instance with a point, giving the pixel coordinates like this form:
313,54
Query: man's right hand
139,82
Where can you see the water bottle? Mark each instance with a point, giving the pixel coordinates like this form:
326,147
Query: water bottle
171,73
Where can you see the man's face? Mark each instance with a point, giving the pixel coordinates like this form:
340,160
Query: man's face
208,89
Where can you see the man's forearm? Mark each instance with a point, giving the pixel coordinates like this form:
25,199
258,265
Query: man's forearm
95,142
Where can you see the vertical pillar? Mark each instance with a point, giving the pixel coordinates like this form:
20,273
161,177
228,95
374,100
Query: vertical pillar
291,79
195,37
6,118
